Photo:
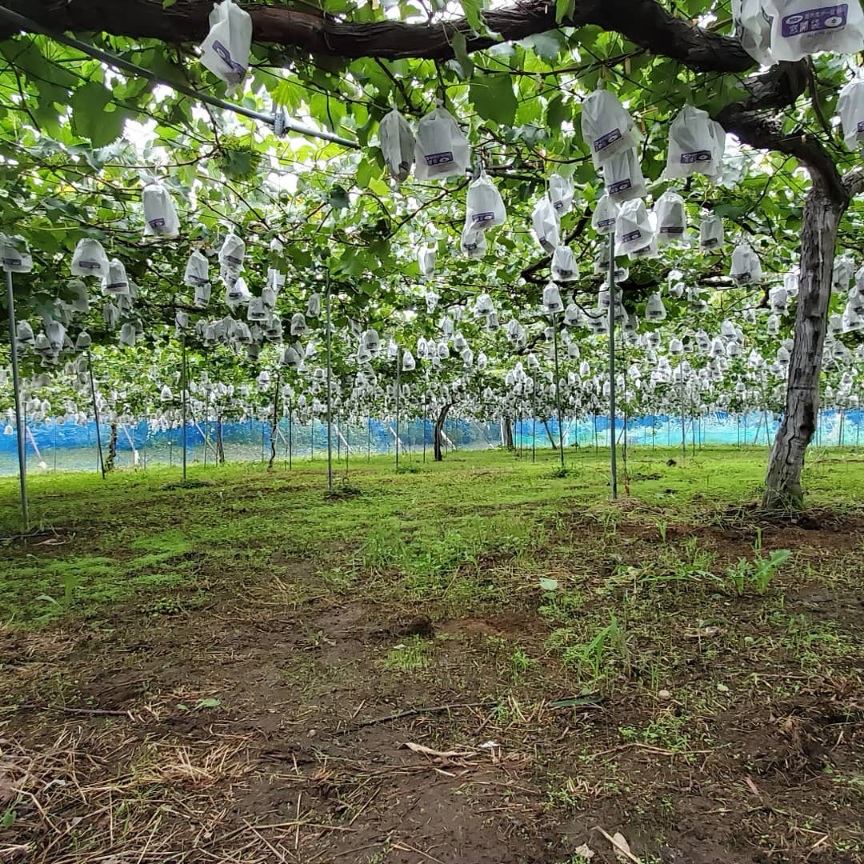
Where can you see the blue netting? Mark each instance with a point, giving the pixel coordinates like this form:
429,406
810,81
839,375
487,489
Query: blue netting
68,446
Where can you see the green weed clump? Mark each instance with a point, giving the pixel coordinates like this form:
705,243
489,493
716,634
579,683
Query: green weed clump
759,573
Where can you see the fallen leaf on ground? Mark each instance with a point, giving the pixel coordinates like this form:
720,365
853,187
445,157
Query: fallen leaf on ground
705,633
441,754
622,847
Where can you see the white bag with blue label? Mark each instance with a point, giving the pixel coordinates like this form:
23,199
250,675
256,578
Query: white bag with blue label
564,267
633,230
696,144
472,243
441,149
89,259
623,177
753,29
803,27
397,145
671,218
484,205
197,270
545,222
225,51
746,267
160,214
850,107
711,233
604,216
561,193
607,128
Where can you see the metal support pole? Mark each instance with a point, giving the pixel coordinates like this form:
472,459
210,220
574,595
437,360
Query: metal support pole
101,461
398,395
613,466
347,445
533,430
329,388
19,414
184,398
557,390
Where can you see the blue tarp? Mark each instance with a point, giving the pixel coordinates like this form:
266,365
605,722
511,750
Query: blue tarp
73,447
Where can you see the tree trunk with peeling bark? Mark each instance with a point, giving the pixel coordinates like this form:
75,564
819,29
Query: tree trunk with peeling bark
439,432
549,435
220,444
274,423
111,461
822,214
508,433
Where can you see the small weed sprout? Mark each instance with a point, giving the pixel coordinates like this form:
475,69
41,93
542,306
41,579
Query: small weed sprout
593,657
766,568
70,582
759,573
520,662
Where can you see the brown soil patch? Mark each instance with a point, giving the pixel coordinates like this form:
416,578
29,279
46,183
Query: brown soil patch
258,731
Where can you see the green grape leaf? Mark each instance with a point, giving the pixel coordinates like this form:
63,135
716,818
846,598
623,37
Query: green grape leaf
494,99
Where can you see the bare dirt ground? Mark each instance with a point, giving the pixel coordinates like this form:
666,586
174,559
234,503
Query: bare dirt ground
344,727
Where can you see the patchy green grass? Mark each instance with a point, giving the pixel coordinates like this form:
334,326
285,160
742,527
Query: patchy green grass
600,655
106,541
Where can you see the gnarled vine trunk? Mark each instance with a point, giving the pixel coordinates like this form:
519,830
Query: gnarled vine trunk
274,424
822,214
220,444
439,432
549,435
508,433
111,461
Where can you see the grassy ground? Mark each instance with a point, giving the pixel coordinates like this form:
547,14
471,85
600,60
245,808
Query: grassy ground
478,661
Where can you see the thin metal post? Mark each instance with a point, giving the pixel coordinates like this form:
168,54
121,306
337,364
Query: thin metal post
557,390
613,465
533,430
858,429
101,461
398,395
425,409
19,414
290,437
183,399
347,445
329,388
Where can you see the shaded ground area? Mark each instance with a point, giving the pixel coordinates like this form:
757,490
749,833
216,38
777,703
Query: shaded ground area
475,662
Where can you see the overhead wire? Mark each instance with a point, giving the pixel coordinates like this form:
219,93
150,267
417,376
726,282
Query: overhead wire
276,120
